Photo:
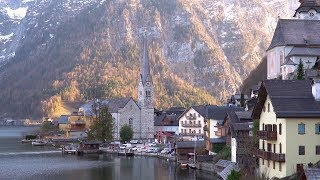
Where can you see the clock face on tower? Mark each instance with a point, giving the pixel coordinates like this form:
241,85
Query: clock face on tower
312,13
148,84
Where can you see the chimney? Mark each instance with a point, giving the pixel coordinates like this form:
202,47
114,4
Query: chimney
316,89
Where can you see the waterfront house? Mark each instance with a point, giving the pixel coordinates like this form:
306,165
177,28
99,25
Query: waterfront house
191,123
63,123
214,117
236,129
289,127
184,148
166,123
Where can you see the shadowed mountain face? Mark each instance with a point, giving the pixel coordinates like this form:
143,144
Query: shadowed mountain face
59,51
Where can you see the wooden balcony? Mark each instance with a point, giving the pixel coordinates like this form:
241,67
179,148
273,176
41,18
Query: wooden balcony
267,135
205,128
271,156
191,117
190,125
191,134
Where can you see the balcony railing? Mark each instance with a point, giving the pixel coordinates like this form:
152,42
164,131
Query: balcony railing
191,134
271,156
191,117
190,125
267,135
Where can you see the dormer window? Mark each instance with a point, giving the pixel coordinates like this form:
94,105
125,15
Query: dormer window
268,107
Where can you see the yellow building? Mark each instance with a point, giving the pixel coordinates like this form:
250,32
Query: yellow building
289,128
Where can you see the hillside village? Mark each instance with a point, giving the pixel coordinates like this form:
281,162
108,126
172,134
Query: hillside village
273,132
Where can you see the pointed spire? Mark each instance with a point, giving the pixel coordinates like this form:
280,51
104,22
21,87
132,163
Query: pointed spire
145,66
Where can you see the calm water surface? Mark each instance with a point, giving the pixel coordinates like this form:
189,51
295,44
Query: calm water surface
22,161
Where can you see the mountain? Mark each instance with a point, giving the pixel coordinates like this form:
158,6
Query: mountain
56,51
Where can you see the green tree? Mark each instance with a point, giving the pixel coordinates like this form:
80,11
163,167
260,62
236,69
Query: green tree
101,129
234,175
300,71
126,133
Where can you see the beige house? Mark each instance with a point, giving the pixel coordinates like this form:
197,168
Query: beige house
289,128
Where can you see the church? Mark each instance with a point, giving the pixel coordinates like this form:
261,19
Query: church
295,40
140,115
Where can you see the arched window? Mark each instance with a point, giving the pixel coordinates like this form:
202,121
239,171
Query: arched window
130,122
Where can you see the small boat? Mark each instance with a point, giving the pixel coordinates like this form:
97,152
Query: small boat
183,165
38,143
192,165
70,149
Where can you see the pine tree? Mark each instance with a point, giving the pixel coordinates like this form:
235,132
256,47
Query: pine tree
300,71
101,129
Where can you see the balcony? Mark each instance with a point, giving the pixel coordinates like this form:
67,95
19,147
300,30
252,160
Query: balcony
190,125
191,134
271,156
267,135
191,117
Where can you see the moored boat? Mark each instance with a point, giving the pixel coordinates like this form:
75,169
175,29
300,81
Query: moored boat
39,143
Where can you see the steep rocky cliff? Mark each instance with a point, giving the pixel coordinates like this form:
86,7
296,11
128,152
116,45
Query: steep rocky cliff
74,50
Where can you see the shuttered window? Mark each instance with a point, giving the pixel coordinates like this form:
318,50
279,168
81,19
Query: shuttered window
301,150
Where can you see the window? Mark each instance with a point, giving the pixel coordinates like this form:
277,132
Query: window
130,122
301,150
148,93
274,127
317,150
301,128
280,168
317,128
199,122
274,164
263,145
263,127
274,148
268,107
280,148
189,130
199,131
280,128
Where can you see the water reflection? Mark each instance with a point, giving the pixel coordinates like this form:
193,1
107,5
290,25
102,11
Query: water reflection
19,161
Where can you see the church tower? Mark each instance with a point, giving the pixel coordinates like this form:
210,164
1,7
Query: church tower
308,10
146,97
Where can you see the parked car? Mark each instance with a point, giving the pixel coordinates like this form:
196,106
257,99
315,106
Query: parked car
122,147
134,141
165,151
135,148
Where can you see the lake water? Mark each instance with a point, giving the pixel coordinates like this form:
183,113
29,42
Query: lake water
23,161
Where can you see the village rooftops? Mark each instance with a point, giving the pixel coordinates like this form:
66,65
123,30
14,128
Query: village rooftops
296,32
290,99
63,119
189,144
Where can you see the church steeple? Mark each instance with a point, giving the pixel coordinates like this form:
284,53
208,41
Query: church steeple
145,88
145,65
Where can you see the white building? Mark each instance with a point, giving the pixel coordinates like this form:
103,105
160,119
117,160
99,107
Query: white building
295,40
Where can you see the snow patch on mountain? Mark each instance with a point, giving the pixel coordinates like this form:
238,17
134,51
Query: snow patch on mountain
6,37
17,14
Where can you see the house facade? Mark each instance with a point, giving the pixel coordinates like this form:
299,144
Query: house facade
289,134
295,40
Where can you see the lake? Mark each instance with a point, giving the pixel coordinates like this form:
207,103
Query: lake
23,161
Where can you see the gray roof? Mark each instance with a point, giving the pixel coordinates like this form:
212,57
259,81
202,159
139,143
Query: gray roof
290,99
115,104
242,126
217,140
189,144
219,112
302,51
145,65
296,32
63,119
312,173
288,62
306,5
174,121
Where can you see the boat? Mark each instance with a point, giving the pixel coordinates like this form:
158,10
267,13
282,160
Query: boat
126,152
183,165
39,143
88,148
26,140
70,149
